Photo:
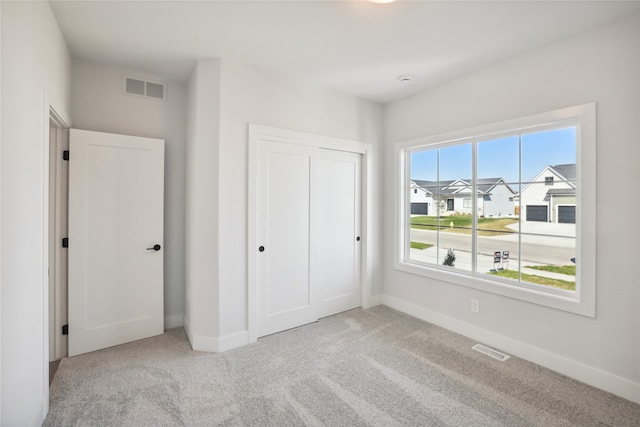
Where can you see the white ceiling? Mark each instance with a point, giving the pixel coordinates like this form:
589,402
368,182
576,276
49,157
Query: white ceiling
354,47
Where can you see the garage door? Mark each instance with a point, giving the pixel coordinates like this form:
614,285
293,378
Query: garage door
537,213
567,214
419,209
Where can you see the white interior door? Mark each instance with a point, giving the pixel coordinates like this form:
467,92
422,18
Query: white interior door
285,262
116,191
338,236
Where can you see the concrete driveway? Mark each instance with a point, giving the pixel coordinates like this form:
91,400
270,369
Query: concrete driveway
546,228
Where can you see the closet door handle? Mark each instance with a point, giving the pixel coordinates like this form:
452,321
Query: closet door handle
261,249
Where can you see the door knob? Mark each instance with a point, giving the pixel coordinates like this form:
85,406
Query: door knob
261,248
155,248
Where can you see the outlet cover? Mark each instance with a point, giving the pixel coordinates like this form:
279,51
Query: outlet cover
475,306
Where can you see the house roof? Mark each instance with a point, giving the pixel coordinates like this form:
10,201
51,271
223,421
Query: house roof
567,171
487,184
452,187
562,192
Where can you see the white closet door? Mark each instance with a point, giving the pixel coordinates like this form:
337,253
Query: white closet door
338,226
116,193
285,216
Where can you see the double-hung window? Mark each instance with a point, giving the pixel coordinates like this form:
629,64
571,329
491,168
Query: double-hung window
511,208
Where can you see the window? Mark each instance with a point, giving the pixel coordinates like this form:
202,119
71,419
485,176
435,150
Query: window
502,246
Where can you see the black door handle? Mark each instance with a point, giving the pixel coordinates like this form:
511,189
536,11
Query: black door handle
261,248
155,248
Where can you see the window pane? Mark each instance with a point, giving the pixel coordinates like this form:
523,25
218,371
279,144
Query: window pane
455,219
498,185
548,259
549,148
498,221
423,233
499,158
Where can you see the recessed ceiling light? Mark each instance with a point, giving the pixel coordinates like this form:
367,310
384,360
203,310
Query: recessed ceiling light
405,78
382,1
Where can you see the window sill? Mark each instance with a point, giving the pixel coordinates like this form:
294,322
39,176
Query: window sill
536,294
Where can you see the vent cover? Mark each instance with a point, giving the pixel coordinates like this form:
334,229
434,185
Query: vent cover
490,352
138,87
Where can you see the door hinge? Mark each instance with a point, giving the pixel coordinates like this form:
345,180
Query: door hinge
65,329
65,242
65,155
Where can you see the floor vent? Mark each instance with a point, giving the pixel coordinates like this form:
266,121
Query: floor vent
490,352
139,87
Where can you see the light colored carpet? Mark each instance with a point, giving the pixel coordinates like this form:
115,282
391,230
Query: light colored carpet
374,367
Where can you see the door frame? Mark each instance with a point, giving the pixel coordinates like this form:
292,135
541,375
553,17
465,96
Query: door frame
52,111
258,134
58,218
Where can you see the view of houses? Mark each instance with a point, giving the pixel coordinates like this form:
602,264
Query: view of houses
549,197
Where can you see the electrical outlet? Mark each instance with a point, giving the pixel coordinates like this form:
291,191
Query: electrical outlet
475,306
31,254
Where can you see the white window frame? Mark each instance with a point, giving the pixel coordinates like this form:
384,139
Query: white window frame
583,300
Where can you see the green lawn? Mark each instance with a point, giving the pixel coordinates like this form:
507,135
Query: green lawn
562,269
418,245
555,283
462,224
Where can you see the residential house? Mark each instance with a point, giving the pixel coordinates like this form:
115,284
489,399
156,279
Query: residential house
70,57
551,195
495,198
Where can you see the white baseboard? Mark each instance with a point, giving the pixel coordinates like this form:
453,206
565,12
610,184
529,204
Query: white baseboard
173,321
216,344
39,416
373,301
587,374
232,341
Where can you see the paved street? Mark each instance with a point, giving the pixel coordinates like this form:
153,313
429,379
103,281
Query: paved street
547,249
550,244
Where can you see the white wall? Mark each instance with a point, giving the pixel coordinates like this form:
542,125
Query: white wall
601,66
249,96
98,104
34,56
202,311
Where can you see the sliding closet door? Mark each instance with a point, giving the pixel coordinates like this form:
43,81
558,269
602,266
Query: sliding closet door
285,214
307,259
338,225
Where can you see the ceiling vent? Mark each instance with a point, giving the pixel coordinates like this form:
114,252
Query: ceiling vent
138,87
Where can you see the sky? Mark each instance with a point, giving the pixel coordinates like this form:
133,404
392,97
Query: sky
498,158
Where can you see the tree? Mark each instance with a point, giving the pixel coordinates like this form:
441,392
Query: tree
450,259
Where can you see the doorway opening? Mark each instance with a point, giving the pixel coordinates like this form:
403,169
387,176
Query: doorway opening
58,178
